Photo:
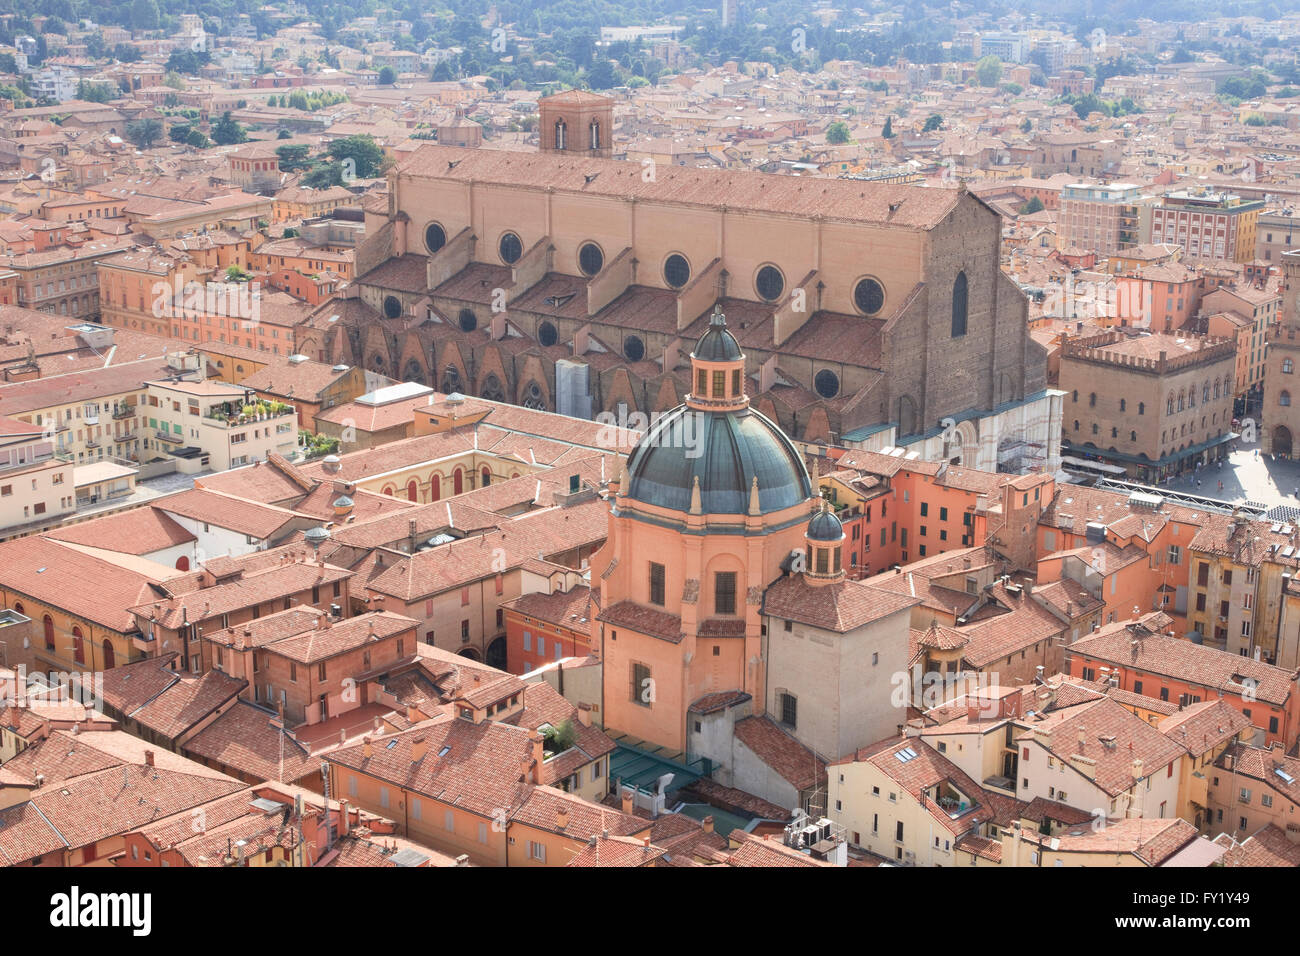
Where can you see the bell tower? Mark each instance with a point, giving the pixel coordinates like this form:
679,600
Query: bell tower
577,122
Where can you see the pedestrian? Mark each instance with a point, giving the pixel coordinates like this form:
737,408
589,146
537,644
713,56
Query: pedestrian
1220,487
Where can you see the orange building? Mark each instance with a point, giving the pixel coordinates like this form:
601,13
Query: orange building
541,628
710,504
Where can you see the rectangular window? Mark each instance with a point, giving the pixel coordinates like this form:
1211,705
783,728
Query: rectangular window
719,384
642,685
724,592
789,710
656,584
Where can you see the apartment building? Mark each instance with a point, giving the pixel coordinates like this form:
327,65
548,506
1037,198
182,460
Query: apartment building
210,425
1100,218
36,484
1207,225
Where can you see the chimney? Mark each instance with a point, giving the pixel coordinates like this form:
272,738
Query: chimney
707,823
561,818
462,860
413,714
148,758
584,714
538,756
627,800
366,749
419,746
343,818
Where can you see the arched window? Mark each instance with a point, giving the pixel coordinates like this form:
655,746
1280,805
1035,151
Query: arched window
487,476
1132,436
1092,399
1076,424
1076,395
457,481
388,490
595,134
1284,398
560,131
110,658
1123,404
1170,406
412,490
183,563
48,623
78,645
435,487
1142,408
959,305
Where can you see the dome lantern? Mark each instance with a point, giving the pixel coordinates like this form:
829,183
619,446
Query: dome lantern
717,369
822,542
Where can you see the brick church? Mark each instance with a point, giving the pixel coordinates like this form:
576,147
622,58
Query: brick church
871,315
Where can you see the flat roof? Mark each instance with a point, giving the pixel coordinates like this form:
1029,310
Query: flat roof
100,471
394,393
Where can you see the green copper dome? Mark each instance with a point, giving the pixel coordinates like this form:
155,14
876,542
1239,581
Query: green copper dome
725,451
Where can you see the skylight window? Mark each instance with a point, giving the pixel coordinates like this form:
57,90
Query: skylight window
906,754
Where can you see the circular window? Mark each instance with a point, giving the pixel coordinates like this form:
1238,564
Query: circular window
547,334
633,348
510,248
590,259
435,237
677,271
468,320
869,296
827,383
770,283
392,306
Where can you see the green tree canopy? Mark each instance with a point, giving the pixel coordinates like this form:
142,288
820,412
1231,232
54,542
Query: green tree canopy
837,132
227,131
988,71
387,76
144,133
932,122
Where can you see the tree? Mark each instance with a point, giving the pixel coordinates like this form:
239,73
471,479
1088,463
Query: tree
96,92
366,154
988,71
837,132
144,15
226,131
196,139
293,157
1026,125
1034,205
387,76
145,132
933,121
888,131
442,73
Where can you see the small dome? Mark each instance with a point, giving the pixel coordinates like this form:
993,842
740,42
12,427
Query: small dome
717,344
331,464
343,501
824,526
316,536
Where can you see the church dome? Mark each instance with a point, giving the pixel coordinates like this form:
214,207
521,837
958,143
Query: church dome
725,451
824,526
717,344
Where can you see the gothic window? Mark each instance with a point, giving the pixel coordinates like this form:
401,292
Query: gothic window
959,306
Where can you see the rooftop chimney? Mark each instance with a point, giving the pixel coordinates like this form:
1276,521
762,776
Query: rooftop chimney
584,714
148,758
561,818
343,818
366,749
707,823
627,800
539,756
419,746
